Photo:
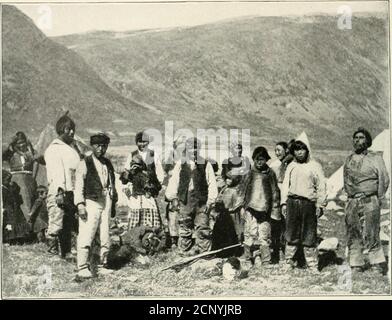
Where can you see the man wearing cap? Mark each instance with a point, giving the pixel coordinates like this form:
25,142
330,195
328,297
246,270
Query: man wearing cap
365,182
95,198
61,159
192,188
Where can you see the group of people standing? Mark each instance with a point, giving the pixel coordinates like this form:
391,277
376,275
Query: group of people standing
273,209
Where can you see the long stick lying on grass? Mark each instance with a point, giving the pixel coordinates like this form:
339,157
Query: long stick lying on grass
184,261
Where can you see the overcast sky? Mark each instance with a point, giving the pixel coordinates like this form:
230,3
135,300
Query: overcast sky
60,19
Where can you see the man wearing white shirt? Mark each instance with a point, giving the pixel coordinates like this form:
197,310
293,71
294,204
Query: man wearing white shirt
61,159
192,186
95,197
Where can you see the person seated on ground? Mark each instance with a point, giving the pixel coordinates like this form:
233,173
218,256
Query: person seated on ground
38,217
261,202
139,240
228,227
15,226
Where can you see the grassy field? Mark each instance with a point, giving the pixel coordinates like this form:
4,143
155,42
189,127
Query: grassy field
28,271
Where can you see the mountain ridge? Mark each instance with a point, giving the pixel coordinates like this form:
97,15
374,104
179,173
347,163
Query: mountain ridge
42,79
262,73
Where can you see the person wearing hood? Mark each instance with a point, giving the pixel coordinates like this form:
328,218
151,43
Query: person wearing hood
303,199
62,159
23,162
365,182
261,203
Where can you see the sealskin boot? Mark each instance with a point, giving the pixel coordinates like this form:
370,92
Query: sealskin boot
53,245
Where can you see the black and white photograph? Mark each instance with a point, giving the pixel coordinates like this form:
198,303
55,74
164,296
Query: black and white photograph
195,150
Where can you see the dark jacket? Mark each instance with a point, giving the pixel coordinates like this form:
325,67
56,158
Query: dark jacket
199,193
93,188
12,214
262,193
143,179
39,215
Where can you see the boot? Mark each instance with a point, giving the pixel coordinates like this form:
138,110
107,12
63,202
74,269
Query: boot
53,245
311,257
275,255
83,255
103,270
248,258
190,253
265,254
84,273
357,269
65,243
257,262
289,264
378,268
174,242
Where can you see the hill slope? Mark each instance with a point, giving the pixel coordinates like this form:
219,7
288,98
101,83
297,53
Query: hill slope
42,78
276,76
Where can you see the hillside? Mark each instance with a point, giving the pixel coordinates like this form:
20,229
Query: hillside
42,78
276,76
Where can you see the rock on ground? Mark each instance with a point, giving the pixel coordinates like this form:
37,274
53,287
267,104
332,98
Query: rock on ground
330,244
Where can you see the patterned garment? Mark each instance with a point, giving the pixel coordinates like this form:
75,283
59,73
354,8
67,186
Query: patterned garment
144,217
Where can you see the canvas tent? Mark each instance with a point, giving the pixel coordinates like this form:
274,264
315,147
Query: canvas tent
380,144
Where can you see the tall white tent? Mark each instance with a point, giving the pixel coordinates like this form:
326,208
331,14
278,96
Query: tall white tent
304,138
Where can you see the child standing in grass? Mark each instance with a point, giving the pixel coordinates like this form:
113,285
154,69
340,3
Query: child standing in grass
279,166
262,200
15,226
231,201
38,216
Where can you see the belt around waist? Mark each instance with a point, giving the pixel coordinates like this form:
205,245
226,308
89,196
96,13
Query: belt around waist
295,197
22,172
361,195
